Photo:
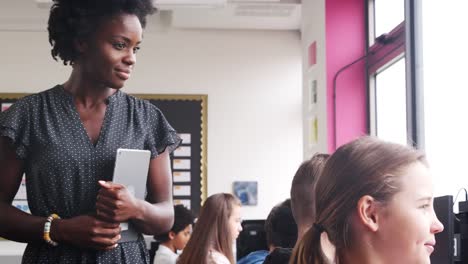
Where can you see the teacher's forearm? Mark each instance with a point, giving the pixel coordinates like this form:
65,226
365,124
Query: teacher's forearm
153,219
19,226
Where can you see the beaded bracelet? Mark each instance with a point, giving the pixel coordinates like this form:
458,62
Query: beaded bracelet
47,225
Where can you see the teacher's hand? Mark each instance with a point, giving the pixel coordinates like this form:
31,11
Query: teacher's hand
86,231
115,203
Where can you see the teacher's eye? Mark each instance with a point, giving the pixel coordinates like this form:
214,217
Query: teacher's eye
119,45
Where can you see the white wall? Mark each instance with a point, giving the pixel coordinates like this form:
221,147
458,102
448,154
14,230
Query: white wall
252,79
313,29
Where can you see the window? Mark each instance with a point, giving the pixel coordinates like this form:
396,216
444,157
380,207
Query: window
446,93
388,14
390,91
386,67
427,47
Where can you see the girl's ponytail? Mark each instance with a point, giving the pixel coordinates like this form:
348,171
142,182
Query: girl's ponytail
309,249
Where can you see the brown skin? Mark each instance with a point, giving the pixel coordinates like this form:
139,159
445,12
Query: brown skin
19,226
104,65
178,241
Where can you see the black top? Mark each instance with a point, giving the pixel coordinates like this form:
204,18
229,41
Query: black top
279,256
62,165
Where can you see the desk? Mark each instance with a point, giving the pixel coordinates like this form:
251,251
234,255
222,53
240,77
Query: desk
11,252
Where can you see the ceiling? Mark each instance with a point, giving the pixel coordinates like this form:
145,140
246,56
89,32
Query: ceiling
31,15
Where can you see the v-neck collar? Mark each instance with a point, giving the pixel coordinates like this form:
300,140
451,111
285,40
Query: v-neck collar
104,126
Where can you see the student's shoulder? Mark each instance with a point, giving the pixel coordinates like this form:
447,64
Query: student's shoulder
218,258
279,256
256,257
165,256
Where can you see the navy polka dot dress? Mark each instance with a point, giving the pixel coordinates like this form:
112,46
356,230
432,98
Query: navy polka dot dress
63,166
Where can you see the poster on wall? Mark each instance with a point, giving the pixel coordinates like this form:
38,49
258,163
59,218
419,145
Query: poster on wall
246,191
312,54
312,135
22,205
5,106
185,202
21,193
312,94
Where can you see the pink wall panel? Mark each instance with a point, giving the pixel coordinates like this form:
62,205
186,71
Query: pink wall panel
345,42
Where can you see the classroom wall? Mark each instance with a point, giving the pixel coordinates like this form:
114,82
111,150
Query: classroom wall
335,31
314,33
252,79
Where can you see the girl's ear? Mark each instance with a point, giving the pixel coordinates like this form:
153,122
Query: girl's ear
368,212
171,235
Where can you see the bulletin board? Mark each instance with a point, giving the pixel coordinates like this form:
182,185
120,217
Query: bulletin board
188,115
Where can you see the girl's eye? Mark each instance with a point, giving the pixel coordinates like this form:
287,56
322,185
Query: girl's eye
424,206
136,49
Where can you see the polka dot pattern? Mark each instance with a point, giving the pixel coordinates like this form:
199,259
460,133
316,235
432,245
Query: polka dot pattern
63,165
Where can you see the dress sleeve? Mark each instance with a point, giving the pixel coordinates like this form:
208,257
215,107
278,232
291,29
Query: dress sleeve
161,134
15,124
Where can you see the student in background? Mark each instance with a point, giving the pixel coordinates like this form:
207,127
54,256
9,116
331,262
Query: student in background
281,230
303,197
176,239
374,200
215,232
281,234
303,190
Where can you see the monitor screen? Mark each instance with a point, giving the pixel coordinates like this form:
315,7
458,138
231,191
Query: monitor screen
443,250
251,238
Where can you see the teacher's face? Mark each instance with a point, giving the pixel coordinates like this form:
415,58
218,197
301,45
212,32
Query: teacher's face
109,56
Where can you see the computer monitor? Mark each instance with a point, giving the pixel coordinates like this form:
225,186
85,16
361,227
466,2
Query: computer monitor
251,238
444,248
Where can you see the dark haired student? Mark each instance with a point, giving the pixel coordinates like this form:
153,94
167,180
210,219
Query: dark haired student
177,238
64,140
281,234
281,230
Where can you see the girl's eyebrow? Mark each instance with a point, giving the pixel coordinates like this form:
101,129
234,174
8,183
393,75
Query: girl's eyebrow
425,198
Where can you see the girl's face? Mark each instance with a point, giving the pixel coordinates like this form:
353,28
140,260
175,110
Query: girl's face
180,239
235,221
108,57
408,223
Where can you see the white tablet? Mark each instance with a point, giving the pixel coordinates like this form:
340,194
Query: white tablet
131,169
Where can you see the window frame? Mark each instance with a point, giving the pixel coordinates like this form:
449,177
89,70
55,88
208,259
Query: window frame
402,41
